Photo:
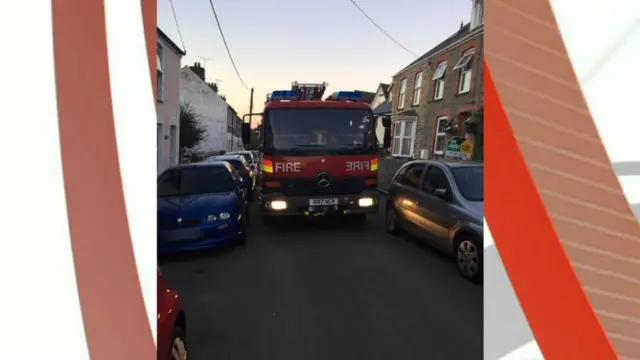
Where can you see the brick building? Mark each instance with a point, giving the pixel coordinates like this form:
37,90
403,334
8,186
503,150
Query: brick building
432,96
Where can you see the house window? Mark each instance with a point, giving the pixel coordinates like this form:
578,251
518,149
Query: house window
159,136
439,144
160,74
403,89
478,15
416,89
403,138
390,96
438,81
464,65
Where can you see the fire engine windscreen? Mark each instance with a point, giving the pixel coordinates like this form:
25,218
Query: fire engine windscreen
319,130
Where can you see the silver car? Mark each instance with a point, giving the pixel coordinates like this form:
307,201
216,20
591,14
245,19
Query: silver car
442,203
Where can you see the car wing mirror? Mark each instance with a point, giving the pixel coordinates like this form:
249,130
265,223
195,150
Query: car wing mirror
443,194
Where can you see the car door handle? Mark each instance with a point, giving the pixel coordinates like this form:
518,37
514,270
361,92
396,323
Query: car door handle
418,202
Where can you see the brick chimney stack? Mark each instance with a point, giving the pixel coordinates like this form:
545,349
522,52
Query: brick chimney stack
198,69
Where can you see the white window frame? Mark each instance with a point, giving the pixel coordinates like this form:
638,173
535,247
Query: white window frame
403,91
439,133
160,73
438,79
402,138
416,89
466,71
478,14
390,97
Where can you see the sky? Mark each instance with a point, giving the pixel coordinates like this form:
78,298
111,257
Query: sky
274,43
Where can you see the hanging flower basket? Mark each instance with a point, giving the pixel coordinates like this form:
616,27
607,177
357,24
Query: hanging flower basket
450,127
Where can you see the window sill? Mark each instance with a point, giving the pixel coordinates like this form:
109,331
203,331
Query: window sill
460,93
436,100
438,153
160,101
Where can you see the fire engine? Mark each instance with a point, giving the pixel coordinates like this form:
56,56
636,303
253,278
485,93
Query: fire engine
319,156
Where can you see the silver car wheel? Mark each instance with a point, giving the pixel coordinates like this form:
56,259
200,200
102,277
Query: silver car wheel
178,350
468,258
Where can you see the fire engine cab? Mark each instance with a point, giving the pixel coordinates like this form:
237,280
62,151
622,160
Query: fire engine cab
319,156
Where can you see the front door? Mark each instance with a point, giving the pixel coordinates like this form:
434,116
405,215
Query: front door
407,197
437,215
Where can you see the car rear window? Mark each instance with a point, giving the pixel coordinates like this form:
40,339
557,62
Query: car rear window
470,181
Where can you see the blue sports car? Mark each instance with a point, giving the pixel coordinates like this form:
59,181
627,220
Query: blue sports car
200,206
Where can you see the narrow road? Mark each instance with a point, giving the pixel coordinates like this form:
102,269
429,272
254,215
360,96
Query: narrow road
327,290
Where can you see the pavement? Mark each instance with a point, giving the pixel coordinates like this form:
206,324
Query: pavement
327,290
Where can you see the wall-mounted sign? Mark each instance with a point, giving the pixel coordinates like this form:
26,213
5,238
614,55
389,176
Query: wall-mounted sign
459,148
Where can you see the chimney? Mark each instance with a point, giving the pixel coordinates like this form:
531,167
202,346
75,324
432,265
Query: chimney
199,70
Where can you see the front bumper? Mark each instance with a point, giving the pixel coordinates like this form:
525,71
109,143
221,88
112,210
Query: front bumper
198,237
300,205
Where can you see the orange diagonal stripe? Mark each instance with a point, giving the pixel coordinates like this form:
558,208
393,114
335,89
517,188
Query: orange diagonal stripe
556,307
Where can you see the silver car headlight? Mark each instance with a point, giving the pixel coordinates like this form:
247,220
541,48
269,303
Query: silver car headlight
224,216
211,218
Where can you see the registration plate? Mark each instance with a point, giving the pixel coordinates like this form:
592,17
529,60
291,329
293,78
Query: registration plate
323,202
181,235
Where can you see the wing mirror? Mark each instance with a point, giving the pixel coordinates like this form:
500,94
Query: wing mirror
443,194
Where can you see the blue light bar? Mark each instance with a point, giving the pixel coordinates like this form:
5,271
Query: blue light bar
285,95
350,96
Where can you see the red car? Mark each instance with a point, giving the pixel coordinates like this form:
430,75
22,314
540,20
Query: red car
172,324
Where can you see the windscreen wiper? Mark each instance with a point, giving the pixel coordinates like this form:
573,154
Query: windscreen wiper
353,145
297,147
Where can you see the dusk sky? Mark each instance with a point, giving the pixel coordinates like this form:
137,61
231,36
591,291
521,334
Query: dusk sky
277,42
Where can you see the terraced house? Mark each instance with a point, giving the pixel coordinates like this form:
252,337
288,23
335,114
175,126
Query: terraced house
433,96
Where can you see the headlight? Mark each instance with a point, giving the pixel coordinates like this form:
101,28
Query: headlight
211,218
278,205
365,202
224,216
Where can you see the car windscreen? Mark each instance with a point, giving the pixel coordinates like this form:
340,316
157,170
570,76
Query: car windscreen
319,130
195,181
470,181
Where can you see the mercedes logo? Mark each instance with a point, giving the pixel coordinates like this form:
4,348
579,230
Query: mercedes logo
322,161
323,179
179,220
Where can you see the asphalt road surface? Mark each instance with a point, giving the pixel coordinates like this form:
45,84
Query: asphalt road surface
327,290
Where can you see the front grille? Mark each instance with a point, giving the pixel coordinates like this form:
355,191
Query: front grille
309,187
174,224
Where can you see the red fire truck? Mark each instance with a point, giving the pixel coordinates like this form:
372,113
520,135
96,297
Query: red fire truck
319,156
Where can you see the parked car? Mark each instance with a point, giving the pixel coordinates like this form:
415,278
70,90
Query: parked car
257,157
172,324
200,206
242,167
249,156
442,203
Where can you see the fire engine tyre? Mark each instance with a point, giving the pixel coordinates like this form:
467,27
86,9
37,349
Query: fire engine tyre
358,218
271,221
